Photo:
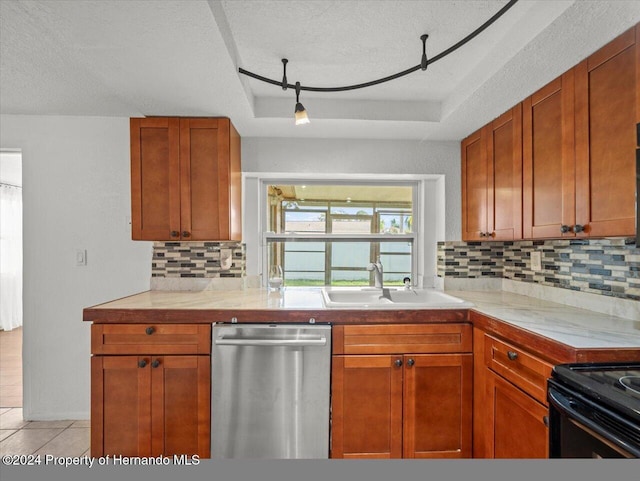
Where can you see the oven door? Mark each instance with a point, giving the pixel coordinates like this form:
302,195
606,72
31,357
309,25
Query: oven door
581,428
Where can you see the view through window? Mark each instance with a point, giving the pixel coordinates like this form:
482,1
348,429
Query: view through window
329,234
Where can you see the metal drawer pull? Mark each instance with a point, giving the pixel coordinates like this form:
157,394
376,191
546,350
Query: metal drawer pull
512,355
149,330
545,420
398,362
155,363
142,363
314,341
410,362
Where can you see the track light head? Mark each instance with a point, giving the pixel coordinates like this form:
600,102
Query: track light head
301,115
300,112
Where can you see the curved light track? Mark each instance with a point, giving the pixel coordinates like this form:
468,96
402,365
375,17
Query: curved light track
446,52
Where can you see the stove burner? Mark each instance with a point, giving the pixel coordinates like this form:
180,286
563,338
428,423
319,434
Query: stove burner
632,383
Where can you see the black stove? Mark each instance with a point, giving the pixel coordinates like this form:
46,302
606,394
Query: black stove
595,410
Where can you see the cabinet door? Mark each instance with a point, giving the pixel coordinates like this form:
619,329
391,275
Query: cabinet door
120,407
366,407
155,179
475,187
548,160
492,180
150,405
205,179
437,405
607,90
505,176
180,405
517,421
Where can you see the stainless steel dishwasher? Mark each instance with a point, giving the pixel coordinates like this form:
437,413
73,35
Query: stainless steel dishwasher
270,391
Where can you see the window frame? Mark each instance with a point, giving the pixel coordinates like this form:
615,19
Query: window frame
415,182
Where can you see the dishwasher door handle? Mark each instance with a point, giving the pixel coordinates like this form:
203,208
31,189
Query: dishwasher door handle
314,341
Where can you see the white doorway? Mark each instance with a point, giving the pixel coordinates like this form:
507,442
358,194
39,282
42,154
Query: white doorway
11,266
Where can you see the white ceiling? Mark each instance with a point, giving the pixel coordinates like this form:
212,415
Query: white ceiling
133,58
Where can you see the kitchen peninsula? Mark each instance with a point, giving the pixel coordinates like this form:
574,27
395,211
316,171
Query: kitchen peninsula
507,343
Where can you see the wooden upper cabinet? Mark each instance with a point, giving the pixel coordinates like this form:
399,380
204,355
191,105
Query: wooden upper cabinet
185,179
155,178
577,138
505,169
548,160
492,180
475,186
607,94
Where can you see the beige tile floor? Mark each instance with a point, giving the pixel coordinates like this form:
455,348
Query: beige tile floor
17,436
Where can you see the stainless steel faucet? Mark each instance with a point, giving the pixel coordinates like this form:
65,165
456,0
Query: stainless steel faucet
377,274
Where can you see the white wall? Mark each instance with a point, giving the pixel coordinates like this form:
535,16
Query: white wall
362,156
76,196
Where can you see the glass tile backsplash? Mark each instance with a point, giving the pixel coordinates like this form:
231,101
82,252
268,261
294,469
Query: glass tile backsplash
196,259
609,267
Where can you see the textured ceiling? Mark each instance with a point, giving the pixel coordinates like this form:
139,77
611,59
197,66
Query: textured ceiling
114,58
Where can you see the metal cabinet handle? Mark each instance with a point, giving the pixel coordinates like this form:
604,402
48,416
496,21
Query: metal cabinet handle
512,355
185,233
578,228
315,341
545,420
483,234
565,228
410,362
149,330
175,233
142,363
398,362
155,363
491,234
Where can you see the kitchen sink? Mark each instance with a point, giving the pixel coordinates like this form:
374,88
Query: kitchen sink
375,298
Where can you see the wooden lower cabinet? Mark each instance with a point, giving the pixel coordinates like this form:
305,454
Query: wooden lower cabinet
517,422
366,407
510,411
437,406
150,405
401,406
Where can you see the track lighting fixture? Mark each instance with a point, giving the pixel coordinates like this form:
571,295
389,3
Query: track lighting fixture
301,114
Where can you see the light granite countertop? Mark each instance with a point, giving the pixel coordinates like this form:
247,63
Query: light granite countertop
572,326
575,327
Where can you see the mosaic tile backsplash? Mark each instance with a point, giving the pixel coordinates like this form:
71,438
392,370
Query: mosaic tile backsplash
196,259
609,267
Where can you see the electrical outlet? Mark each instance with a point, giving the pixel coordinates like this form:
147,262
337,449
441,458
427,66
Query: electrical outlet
225,259
536,261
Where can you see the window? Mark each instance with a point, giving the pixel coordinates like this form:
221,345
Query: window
327,234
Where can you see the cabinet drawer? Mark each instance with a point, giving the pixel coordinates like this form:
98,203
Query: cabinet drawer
151,339
519,367
402,338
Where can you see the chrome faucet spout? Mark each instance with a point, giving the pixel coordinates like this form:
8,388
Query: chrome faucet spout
377,274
